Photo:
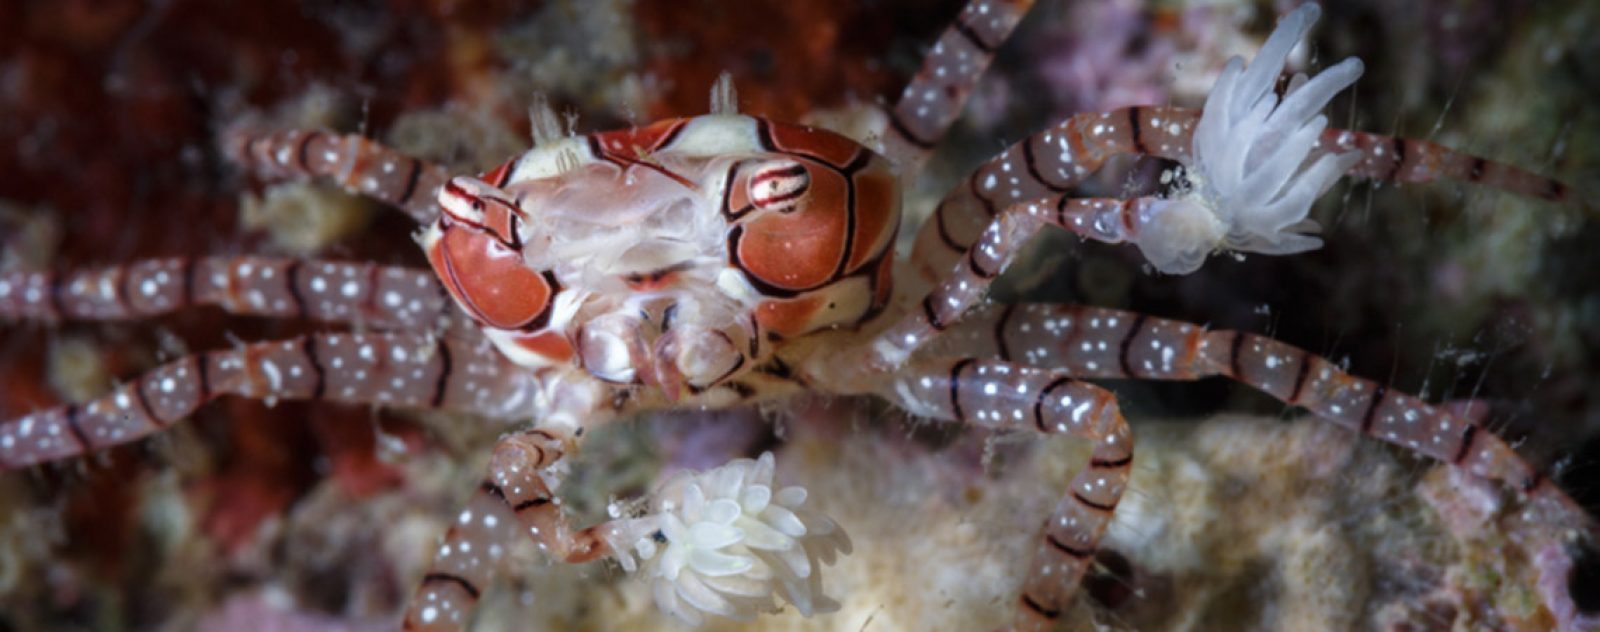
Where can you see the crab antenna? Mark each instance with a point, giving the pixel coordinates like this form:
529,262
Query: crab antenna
724,100
546,126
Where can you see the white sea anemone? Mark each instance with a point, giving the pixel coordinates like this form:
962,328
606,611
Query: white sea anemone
724,543
1252,185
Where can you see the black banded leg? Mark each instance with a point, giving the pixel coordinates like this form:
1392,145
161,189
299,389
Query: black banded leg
521,467
515,494
401,370
385,298
465,564
1082,340
963,288
1304,379
1392,159
933,100
1086,341
967,282
1061,156
1002,395
1046,164
360,165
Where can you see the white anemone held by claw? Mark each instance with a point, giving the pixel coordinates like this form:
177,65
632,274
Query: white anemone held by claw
1251,183
725,542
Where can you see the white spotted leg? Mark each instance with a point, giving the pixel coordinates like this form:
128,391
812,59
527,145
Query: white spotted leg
400,370
1058,158
967,280
1000,395
933,100
1095,342
467,561
367,295
359,164
521,476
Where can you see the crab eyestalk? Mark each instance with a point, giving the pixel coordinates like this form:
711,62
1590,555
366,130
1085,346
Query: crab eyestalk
728,543
1251,185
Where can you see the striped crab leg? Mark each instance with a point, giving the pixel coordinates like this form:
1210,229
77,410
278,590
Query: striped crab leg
967,281
1001,395
1259,361
1095,342
360,165
468,560
1068,343
402,370
373,296
1060,157
1262,362
517,492
933,100
1048,163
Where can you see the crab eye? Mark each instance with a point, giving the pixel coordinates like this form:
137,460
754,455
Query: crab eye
470,201
779,185
460,201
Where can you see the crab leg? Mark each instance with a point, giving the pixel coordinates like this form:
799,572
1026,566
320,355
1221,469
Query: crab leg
967,281
521,475
1002,395
378,297
1185,351
467,561
1060,157
935,96
360,165
1123,347
1048,163
1094,342
402,370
